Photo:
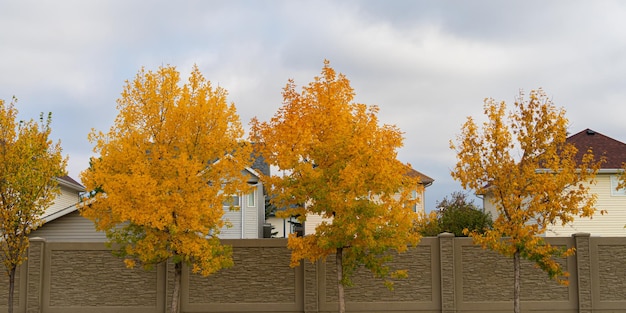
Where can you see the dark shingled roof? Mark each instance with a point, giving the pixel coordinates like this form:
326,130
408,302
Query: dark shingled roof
613,150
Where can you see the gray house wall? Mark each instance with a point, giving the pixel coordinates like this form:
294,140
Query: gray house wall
70,228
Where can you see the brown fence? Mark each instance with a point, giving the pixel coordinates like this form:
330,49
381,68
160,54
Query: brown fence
446,274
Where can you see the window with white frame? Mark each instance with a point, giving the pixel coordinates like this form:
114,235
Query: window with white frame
614,184
251,199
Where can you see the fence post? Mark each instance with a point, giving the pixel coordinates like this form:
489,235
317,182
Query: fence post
583,261
34,277
446,259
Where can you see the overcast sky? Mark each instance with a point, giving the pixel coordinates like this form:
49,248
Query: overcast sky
427,64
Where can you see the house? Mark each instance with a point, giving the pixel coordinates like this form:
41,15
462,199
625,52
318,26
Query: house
63,222
284,227
247,222
609,200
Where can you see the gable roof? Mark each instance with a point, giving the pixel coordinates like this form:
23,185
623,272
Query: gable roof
70,183
613,150
424,180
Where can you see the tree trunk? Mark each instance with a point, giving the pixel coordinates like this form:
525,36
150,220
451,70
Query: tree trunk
341,298
11,288
516,283
178,269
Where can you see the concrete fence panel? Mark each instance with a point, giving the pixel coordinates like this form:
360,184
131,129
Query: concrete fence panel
446,274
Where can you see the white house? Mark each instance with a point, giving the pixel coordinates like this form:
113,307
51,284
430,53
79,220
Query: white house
63,222
609,199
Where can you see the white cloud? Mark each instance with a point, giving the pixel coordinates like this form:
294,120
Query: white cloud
427,65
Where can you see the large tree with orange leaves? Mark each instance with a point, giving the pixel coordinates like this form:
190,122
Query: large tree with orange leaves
163,171
335,160
29,165
521,161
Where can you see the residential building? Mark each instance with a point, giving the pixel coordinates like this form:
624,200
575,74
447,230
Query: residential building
610,217
284,227
63,222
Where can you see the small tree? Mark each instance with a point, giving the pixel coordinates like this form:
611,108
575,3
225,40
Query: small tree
164,170
29,165
339,163
458,215
522,161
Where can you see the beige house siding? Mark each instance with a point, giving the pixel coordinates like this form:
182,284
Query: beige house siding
312,221
282,227
420,206
609,224
488,206
66,199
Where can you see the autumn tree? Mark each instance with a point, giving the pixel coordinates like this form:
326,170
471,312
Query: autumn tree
521,161
173,156
29,165
336,161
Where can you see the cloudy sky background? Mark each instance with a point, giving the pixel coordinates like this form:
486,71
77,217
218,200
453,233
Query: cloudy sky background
427,64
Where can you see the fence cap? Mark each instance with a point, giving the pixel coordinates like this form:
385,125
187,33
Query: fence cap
446,235
581,235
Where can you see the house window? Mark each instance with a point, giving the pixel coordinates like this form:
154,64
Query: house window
231,201
414,196
251,199
614,184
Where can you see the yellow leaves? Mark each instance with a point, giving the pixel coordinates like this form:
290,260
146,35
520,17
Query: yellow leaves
336,160
523,164
29,165
306,248
165,167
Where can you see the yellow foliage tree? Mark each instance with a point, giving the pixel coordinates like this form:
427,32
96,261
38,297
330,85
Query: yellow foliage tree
164,169
524,164
29,165
338,162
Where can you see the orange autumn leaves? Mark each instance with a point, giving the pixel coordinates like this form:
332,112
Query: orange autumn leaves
521,161
176,152
335,160
173,156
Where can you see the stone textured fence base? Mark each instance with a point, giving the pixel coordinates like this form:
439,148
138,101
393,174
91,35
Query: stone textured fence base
446,274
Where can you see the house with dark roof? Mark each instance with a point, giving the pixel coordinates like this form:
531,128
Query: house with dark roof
610,201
